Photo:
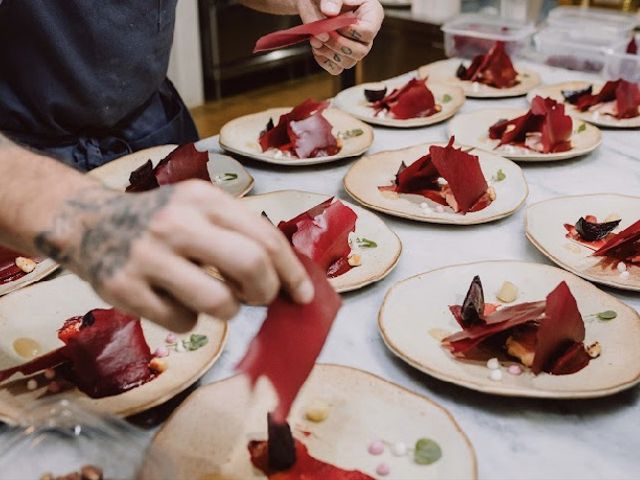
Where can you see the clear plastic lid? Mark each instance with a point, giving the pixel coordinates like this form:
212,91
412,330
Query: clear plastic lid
489,27
61,439
569,17
584,38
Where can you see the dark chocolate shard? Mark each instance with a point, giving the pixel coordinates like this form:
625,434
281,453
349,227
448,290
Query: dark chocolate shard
473,306
281,447
592,231
572,96
375,94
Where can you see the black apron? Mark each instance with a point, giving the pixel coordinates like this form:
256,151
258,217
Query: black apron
85,81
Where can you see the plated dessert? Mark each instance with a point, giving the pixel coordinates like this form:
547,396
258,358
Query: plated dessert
401,103
438,183
545,132
520,329
490,75
306,134
614,104
353,246
18,270
80,349
594,236
165,164
390,432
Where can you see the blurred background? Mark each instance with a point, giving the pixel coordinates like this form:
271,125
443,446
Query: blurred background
220,79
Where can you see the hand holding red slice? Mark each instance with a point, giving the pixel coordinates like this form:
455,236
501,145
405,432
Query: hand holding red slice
183,163
301,33
466,189
303,132
290,340
322,234
104,353
494,68
546,117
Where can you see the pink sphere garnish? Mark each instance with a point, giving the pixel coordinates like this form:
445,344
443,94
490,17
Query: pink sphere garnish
53,387
383,469
376,448
171,338
514,369
161,352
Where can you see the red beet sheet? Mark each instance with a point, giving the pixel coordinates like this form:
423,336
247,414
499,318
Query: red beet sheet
624,245
104,353
322,234
183,163
625,94
301,33
494,68
290,340
305,468
413,100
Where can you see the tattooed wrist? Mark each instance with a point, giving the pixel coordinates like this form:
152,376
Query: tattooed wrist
94,230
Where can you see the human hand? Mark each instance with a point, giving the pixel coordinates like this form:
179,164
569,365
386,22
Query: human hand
143,252
341,50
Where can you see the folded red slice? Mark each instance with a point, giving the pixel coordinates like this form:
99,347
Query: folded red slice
493,68
291,338
624,246
546,335
183,163
303,132
9,271
104,353
300,33
413,100
546,119
632,46
625,94
465,190
305,468
322,234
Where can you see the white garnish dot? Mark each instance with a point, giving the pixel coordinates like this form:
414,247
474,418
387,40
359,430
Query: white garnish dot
399,449
624,275
32,384
495,375
440,209
493,364
180,347
622,267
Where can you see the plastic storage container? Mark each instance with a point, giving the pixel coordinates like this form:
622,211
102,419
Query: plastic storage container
60,439
583,50
469,35
619,64
607,21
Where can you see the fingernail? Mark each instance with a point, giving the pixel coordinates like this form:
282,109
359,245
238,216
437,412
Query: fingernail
323,37
306,292
315,43
330,8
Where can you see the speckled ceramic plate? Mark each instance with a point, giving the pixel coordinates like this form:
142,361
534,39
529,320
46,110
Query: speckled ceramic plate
361,408
545,229
444,71
39,311
352,100
364,177
415,317
240,136
594,115
43,269
115,174
377,262
473,129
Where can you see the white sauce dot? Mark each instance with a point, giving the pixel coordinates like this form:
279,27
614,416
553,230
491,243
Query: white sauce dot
624,275
493,364
622,267
32,384
399,449
495,375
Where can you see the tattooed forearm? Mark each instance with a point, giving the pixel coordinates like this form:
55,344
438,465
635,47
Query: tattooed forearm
94,231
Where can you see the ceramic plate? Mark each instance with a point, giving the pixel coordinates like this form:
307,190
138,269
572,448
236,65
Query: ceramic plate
364,177
115,174
545,230
43,269
415,317
38,311
240,136
377,262
593,116
352,100
444,71
473,129
362,408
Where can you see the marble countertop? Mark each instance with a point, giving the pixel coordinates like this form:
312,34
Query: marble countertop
514,438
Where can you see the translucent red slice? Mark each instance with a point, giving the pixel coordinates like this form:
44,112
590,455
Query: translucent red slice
625,94
290,340
413,100
625,245
300,33
494,68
